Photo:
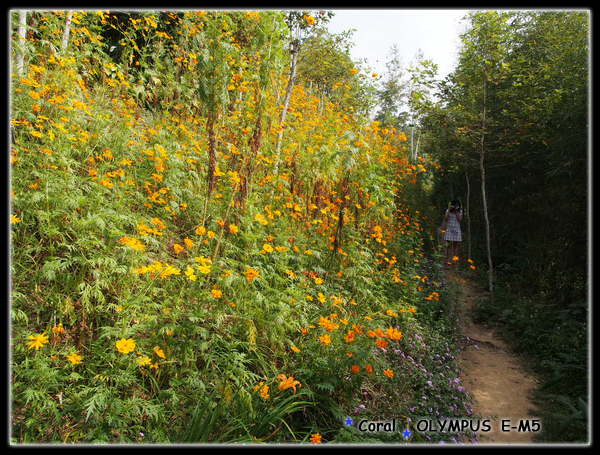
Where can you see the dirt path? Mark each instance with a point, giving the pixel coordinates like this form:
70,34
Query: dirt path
493,375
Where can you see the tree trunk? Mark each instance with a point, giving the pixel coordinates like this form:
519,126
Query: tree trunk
20,60
65,38
212,156
254,145
484,195
467,213
487,223
288,94
417,147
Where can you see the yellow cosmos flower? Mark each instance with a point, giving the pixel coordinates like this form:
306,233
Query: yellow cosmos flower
291,274
74,358
190,274
37,341
205,269
262,389
159,352
143,360
125,346
134,244
261,219
156,222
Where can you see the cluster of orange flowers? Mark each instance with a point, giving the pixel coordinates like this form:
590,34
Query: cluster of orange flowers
331,323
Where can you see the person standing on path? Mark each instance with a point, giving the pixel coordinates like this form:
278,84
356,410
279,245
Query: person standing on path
453,217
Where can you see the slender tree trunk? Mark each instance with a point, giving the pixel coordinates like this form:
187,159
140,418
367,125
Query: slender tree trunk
467,213
20,60
212,162
288,94
212,156
254,145
483,193
340,226
487,223
417,146
65,38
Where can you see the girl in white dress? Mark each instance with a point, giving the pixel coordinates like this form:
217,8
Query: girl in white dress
453,216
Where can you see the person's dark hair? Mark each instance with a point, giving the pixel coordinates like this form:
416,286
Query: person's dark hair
455,202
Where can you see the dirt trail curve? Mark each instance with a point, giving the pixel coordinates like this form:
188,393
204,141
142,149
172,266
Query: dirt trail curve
492,374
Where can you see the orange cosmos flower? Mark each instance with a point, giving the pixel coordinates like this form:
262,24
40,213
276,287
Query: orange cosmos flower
381,343
393,334
251,274
325,340
315,438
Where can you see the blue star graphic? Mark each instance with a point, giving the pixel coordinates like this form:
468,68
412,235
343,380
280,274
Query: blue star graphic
406,433
348,421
